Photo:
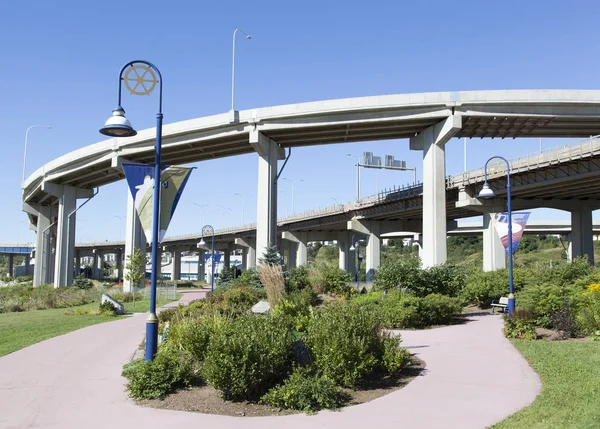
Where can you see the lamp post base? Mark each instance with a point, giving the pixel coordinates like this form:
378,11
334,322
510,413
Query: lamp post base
511,304
151,336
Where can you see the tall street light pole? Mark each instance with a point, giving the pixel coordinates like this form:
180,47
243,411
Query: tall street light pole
357,176
486,193
25,150
201,207
243,198
293,183
208,229
118,126
233,66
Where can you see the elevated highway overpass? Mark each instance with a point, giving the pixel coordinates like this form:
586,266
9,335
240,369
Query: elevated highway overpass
428,120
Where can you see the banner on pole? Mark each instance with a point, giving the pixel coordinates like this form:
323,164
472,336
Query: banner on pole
140,178
519,221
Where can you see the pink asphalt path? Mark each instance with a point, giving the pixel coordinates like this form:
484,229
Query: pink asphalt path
474,378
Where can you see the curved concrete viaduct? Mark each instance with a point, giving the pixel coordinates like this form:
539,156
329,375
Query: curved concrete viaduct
429,120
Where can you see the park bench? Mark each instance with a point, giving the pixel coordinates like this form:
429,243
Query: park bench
502,303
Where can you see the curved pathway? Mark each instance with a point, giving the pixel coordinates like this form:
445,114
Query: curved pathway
474,378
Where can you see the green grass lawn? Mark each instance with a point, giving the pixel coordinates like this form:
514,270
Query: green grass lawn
570,397
23,329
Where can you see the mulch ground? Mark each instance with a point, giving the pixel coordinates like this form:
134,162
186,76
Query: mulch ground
205,399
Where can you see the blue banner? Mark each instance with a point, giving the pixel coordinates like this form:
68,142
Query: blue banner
140,178
519,221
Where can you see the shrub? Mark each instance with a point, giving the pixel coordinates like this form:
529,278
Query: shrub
298,307
563,320
82,283
26,297
519,325
271,276
107,308
543,300
402,311
444,279
248,278
329,279
231,302
306,392
588,316
193,333
345,343
394,357
403,273
482,287
299,278
246,357
155,379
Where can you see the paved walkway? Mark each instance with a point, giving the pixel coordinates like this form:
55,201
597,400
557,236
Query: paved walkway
474,378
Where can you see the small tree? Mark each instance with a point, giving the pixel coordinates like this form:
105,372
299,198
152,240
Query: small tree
271,257
136,268
225,275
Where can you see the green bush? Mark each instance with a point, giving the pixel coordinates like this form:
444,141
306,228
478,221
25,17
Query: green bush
107,308
543,300
234,301
306,392
403,311
299,307
248,278
82,283
568,272
155,379
249,355
519,326
482,287
345,343
26,297
588,317
444,279
403,273
329,279
193,333
299,278
394,357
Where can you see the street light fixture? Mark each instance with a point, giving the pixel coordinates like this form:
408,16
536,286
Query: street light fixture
233,65
243,198
208,229
25,150
487,193
119,126
293,182
201,207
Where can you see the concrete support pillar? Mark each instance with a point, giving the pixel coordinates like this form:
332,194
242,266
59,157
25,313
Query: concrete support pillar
373,255
582,234
134,239
27,265
372,229
119,264
11,265
244,263
45,242
249,246
301,241
227,256
292,254
432,141
65,237
494,254
98,264
175,263
201,266
266,214
345,254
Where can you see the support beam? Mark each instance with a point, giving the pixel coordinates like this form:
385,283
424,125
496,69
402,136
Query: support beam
45,242
582,234
372,229
266,214
201,266
344,252
65,237
98,265
250,245
11,266
119,264
494,254
134,239
301,240
175,263
432,142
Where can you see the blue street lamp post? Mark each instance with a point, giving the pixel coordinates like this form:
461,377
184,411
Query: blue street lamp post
118,126
486,193
208,229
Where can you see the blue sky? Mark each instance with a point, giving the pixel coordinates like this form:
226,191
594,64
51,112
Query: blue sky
61,60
